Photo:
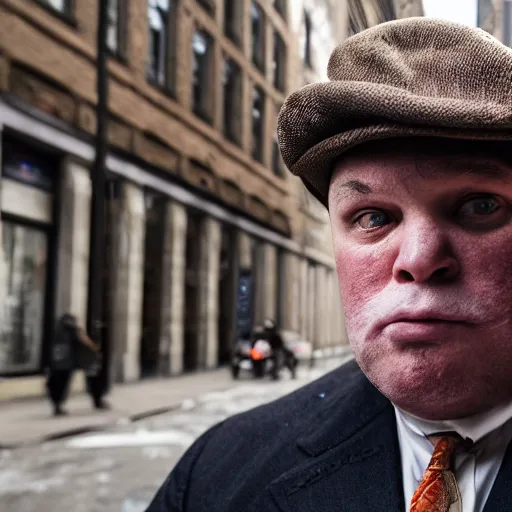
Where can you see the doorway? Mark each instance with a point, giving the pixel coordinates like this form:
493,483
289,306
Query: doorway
192,290
155,209
228,273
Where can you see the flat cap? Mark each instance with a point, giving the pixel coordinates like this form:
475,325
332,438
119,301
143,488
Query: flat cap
406,78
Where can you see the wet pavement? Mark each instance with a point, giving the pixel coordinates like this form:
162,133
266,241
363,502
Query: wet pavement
119,469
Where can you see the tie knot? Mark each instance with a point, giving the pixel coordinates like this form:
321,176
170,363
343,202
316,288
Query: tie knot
444,449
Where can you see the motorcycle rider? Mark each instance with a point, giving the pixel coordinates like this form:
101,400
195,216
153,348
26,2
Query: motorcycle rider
279,350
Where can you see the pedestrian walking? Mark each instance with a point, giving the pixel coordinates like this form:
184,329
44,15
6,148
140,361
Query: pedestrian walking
71,348
408,146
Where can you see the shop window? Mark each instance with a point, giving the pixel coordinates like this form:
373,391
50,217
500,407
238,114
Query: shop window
258,36
161,44
308,29
279,62
232,100
233,20
258,111
116,27
202,49
23,269
281,288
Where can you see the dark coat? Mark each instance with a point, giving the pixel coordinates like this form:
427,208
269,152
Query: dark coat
272,336
331,446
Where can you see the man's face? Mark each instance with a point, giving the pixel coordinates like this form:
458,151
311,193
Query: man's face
423,247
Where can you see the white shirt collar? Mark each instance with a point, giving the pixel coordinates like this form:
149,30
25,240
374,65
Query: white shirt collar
475,472
474,427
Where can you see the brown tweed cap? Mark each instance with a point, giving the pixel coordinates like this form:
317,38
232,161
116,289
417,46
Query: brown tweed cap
411,77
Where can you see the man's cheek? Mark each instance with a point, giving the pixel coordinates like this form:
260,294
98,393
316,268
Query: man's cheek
360,279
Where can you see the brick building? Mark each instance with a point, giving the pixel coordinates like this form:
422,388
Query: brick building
207,233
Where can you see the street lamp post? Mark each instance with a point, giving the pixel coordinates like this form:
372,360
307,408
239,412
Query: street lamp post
99,384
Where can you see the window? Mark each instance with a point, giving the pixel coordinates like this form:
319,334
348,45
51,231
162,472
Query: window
233,20
232,99
280,7
258,112
25,251
161,59
277,161
308,28
202,47
279,62
352,27
276,157
62,6
116,28
209,5
258,36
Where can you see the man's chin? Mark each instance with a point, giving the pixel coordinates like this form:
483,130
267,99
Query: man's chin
427,390
429,398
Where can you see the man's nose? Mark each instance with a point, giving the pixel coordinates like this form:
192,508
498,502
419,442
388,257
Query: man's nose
425,255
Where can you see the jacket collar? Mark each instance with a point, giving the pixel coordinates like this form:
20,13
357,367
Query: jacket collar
500,498
344,416
354,460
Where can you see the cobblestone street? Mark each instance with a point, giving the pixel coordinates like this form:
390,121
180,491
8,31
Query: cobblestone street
120,468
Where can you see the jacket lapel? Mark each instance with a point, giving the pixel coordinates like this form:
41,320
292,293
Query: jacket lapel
354,462
501,497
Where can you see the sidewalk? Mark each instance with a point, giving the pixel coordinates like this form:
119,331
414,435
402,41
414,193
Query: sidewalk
30,421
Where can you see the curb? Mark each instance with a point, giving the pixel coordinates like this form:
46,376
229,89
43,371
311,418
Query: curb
85,429
130,418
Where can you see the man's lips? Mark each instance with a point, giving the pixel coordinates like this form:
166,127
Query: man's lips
411,326
426,317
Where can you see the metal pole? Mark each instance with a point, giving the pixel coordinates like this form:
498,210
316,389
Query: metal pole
98,217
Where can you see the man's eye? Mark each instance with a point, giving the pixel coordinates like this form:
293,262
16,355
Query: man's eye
372,220
479,207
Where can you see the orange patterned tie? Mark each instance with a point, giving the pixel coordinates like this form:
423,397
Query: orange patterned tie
438,489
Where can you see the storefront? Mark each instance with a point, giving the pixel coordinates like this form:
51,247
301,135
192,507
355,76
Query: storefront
184,274
27,197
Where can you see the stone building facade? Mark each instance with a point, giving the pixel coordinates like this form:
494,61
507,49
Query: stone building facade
207,233
495,17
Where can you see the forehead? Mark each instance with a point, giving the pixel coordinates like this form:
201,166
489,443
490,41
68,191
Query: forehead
386,161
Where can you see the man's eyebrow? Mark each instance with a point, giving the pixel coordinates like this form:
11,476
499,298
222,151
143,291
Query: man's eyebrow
357,186
496,170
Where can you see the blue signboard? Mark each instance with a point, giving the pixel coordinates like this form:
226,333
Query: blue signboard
244,304
27,166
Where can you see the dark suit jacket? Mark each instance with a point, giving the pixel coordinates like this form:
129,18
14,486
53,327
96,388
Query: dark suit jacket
331,446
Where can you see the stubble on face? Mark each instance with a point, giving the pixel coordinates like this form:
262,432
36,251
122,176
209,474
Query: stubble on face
421,230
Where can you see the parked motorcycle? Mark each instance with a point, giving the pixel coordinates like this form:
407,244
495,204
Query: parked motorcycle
256,359
261,357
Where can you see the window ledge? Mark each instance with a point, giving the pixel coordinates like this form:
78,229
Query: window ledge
119,57
207,118
232,138
165,90
233,37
